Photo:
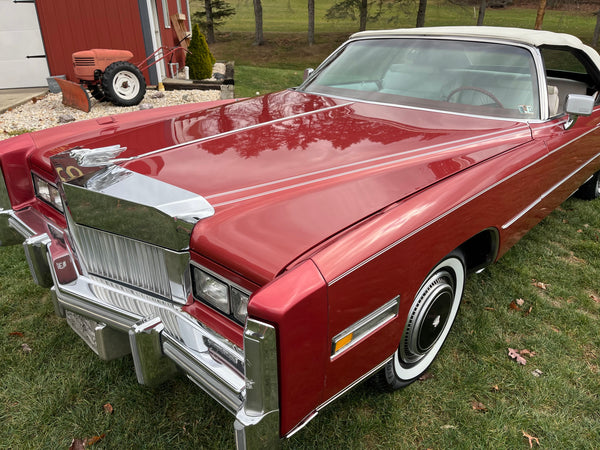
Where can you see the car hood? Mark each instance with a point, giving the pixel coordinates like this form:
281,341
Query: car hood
286,171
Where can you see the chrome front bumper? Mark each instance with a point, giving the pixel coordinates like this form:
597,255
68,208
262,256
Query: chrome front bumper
115,320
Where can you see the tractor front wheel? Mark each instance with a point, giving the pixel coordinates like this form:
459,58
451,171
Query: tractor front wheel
123,84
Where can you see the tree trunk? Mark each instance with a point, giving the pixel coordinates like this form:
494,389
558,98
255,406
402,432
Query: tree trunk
363,15
311,22
258,22
421,13
481,14
210,29
596,30
539,19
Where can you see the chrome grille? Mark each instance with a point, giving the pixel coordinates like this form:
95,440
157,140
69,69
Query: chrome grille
81,61
125,260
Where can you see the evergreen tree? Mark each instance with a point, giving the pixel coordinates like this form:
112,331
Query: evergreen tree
214,15
200,60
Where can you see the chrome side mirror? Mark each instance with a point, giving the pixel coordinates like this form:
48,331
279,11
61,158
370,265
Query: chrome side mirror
307,73
578,105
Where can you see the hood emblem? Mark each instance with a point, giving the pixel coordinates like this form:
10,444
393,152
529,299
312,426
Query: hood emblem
96,157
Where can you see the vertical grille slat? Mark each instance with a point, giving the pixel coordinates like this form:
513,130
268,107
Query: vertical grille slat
125,260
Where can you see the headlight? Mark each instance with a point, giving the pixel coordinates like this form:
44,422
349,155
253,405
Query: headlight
47,192
221,294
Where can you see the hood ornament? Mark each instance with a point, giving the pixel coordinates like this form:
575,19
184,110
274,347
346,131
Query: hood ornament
96,157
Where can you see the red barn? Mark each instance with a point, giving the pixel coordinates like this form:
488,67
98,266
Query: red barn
40,36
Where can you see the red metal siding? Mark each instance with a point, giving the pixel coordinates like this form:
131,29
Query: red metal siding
69,26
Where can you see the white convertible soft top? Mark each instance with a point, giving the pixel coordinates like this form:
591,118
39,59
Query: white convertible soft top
533,37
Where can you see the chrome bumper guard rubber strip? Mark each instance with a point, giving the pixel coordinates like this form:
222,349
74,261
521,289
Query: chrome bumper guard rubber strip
253,398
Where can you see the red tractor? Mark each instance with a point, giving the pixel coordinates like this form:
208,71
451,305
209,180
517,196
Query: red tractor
109,76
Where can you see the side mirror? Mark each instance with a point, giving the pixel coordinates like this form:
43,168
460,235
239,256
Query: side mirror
578,105
307,73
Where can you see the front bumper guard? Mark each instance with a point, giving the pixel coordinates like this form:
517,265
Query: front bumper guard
157,353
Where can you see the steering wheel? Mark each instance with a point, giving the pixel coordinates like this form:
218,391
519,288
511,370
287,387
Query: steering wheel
476,89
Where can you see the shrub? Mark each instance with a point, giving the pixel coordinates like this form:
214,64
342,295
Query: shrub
200,60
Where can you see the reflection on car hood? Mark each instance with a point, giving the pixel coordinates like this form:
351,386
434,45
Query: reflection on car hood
286,171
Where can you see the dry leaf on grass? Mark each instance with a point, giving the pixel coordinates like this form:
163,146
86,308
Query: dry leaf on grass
26,348
515,355
478,406
77,444
531,439
108,409
94,440
539,284
426,376
16,334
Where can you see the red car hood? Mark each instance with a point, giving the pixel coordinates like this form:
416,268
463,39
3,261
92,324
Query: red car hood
286,171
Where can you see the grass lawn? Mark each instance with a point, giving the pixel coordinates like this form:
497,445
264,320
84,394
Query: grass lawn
54,389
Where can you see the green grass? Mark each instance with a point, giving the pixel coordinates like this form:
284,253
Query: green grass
57,391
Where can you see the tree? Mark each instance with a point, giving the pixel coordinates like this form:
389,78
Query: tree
481,15
539,19
350,9
214,15
421,13
258,23
199,59
311,22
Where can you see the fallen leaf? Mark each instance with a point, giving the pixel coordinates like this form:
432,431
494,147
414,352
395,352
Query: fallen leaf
77,444
487,308
580,231
514,355
17,334
514,305
448,427
26,348
478,406
532,439
94,440
528,311
426,376
520,301
556,330
526,352
495,388
540,285
537,373
595,298
108,409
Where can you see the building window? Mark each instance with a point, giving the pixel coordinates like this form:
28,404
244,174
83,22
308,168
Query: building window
165,5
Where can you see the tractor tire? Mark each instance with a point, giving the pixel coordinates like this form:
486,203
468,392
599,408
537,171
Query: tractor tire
123,84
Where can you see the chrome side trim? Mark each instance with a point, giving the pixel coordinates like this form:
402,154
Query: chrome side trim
547,193
360,330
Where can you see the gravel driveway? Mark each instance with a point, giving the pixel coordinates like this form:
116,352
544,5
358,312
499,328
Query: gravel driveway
49,111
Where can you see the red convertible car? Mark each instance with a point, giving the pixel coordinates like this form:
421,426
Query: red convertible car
281,249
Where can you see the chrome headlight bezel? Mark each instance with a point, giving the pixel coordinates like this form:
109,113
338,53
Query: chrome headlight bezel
220,294
47,192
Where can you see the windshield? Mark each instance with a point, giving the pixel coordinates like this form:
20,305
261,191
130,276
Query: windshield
469,77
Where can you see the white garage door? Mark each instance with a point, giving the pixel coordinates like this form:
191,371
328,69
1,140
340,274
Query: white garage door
22,56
